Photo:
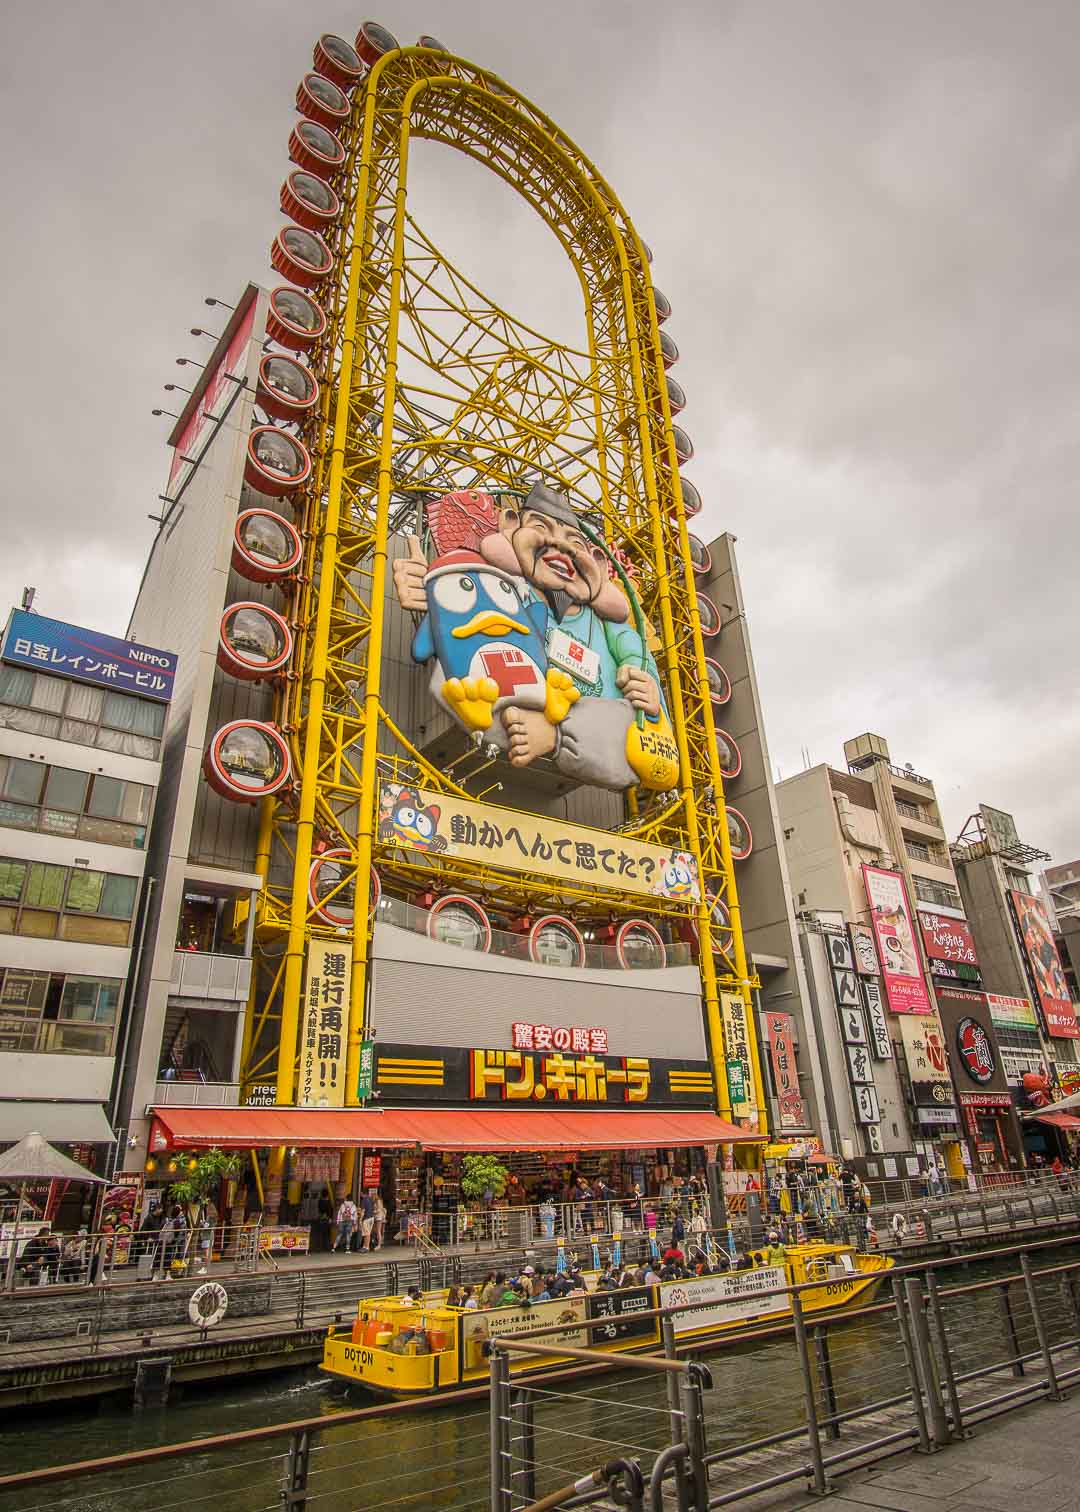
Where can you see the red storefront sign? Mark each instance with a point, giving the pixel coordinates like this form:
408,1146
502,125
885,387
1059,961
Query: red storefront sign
947,939
371,1171
890,915
781,1031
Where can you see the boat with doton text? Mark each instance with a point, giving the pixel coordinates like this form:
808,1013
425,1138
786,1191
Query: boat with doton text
400,1347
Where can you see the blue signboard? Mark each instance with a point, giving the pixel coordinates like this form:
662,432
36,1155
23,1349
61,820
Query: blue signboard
48,645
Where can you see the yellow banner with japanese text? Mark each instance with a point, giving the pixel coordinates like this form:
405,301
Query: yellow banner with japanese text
437,824
325,1037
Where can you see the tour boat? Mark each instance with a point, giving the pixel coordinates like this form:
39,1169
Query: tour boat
399,1348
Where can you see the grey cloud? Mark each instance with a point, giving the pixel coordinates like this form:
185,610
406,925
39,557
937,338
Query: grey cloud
865,217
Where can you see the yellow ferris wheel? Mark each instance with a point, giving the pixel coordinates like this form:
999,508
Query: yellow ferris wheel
433,399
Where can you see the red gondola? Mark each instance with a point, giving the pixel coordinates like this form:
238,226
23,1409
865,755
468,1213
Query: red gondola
373,41
286,390
266,548
294,320
322,101
300,256
338,60
247,760
315,149
309,200
254,642
276,462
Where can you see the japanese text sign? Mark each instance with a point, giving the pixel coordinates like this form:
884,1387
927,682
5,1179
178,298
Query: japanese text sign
946,939
439,824
1044,965
905,986
48,645
780,1028
558,1037
517,1076
737,1047
325,1038
1006,1012
880,1038
924,1049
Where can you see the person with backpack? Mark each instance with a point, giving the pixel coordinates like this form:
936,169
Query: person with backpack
346,1224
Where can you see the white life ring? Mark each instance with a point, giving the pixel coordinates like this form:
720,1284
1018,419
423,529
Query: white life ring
208,1304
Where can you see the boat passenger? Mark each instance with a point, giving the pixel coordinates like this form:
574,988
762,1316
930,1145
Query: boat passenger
628,1278
413,1297
453,1297
468,1298
492,1288
776,1254
652,1275
744,1262
606,1281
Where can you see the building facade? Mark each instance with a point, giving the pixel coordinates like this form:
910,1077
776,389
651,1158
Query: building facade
82,719
1023,966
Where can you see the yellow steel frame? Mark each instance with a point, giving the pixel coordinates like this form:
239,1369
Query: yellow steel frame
429,386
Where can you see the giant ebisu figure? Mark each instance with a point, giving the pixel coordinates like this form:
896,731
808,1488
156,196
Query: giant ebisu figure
528,633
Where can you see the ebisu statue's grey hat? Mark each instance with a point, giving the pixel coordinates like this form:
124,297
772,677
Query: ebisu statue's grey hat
546,501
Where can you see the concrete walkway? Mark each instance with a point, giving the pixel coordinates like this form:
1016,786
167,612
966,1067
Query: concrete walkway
1024,1461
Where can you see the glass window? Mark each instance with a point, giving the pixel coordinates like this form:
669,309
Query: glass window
119,897
22,780
85,890
45,885
137,800
12,877
108,1000
79,1000
48,693
16,685
66,789
33,921
84,703
91,931
106,798
24,990
137,716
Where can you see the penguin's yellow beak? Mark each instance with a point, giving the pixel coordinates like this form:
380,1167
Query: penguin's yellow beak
488,622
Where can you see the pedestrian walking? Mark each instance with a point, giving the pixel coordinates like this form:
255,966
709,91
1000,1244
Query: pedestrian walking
204,1237
174,1239
899,1227
367,1220
346,1225
379,1226
933,1178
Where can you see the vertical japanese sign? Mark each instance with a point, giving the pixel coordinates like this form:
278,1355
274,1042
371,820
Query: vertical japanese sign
946,939
326,1025
366,1074
1044,965
875,1015
890,911
850,992
737,1047
780,1028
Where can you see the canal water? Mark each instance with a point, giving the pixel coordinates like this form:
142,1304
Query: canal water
438,1458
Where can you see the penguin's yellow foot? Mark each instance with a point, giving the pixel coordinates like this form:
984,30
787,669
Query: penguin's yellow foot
562,693
472,699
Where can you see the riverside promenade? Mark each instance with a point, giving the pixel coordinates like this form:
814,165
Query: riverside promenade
1027,1460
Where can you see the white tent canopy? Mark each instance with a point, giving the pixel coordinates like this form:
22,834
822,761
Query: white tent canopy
34,1159
1064,1106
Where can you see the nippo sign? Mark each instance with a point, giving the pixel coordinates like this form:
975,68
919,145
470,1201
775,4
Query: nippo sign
947,939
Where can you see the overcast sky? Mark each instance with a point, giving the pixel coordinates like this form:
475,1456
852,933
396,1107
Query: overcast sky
865,216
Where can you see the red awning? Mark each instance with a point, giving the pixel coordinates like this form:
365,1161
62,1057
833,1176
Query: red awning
443,1128
1064,1121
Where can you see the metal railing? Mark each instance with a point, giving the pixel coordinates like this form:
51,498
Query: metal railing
89,1259
917,1368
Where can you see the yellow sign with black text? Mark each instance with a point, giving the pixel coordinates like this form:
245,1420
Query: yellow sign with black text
437,824
325,1039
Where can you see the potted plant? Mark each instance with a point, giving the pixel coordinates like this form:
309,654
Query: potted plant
483,1179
